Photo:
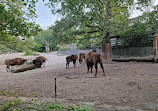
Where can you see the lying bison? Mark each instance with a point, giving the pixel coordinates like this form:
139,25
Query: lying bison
81,57
15,61
39,61
93,58
71,58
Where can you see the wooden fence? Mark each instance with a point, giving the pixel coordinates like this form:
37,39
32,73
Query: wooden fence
132,52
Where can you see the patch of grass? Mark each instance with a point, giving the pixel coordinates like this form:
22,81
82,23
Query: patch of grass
30,52
64,48
11,93
4,49
17,105
5,93
11,106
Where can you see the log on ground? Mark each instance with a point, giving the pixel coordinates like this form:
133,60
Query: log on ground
21,68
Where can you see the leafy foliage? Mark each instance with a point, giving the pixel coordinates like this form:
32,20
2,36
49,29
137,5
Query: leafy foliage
14,24
17,105
14,21
137,35
95,20
142,30
4,49
46,36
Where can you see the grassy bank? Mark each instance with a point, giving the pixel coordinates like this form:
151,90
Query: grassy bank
17,105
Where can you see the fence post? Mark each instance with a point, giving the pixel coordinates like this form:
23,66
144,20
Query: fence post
55,90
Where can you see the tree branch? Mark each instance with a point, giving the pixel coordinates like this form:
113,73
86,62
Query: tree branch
89,38
100,1
84,32
93,26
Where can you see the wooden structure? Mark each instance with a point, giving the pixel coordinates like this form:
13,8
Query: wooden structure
138,59
155,52
107,51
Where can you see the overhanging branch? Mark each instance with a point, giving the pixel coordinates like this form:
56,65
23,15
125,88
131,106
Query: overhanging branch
93,26
84,32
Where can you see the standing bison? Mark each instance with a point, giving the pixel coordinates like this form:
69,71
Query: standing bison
15,61
81,57
93,58
71,58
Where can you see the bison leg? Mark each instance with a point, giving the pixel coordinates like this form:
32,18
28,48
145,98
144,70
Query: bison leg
96,68
67,65
88,68
80,61
102,68
8,68
74,62
91,67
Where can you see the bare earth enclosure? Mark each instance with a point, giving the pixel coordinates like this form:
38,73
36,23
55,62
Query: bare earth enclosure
125,84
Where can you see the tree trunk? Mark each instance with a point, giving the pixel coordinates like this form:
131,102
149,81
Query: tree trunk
155,46
21,68
47,47
107,51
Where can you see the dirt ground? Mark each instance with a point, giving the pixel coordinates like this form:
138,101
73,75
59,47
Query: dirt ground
126,84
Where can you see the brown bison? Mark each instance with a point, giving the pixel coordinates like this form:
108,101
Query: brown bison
39,61
15,61
71,58
93,58
81,57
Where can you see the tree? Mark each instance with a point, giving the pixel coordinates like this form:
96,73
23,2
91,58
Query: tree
46,36
97,19
142,30
15,25
14,21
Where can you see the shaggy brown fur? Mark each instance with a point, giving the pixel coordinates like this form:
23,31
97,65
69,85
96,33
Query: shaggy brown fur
93,58
71,58
39,61
81,57
15,61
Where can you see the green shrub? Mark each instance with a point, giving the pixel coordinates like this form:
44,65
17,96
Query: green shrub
4,49
64,48
28,52
38,47
56,48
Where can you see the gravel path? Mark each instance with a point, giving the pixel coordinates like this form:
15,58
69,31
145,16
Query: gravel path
132,84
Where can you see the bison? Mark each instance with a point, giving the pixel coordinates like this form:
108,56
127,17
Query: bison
81,57
71,58
93,58
39,61
15,61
